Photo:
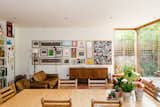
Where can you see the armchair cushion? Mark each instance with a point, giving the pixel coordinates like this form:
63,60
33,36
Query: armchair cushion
22,84
39,76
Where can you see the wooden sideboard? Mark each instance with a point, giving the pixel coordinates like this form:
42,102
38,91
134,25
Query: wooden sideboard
82,74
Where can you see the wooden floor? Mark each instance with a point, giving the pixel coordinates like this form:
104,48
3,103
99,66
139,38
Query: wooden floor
80,98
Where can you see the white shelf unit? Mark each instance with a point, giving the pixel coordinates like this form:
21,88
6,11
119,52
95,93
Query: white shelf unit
7,61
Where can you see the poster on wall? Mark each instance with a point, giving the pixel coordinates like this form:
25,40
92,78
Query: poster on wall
73,52
102,52
89,49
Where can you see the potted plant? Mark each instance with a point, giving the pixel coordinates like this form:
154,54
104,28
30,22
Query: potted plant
117,87
127,88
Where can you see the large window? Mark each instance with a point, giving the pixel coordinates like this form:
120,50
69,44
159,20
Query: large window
124,48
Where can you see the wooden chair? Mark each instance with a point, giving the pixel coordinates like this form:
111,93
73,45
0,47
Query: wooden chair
7,93
56,103
67,83
112,103
97,83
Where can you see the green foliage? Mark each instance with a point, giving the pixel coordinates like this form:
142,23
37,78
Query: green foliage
127,87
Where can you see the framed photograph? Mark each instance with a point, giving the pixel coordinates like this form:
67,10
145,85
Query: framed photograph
89,49
74,43
67,43
35,44
51,52
44,52
66,52
9,29
73,52
49,61
66,61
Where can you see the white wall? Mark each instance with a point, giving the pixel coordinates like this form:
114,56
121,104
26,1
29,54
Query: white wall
24,37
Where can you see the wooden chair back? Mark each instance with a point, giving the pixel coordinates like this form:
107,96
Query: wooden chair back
7,93
56,103
112,103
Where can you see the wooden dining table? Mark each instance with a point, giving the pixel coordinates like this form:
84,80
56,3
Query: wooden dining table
79,97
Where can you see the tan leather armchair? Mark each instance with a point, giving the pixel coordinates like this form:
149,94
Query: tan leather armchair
43,80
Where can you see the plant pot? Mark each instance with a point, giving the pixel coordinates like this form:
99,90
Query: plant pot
127,96
139,94
118,94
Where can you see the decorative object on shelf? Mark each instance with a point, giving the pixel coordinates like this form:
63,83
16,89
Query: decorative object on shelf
2,62
77,61
58,51
2,52
1,31
9,29
35,44
73,52
102,52
34,52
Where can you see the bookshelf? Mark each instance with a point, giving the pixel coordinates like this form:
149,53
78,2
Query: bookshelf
7,53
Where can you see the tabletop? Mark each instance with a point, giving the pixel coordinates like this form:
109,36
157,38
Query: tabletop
80,98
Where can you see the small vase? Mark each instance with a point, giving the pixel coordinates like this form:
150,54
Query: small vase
126,96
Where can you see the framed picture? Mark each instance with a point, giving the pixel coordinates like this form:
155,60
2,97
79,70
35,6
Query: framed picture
58,51
9,29
81,44
89,49
43,52
81,53
67,43
51,52
3,71
35,60
48,43
35,44
74,43
102,52
77,61
73,52
66,61
50,61
90,61
66,52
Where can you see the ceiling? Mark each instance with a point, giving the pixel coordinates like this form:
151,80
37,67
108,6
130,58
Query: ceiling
79,13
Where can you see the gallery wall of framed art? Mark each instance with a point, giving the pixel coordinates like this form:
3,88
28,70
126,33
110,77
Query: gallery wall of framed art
72,52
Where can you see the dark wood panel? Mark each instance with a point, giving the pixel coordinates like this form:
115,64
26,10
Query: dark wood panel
85,73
